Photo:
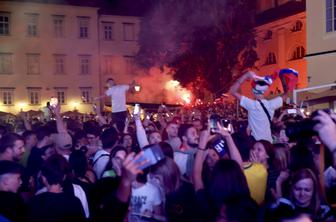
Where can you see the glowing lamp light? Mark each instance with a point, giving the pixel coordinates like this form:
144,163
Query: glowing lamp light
21,105
137,88
75,104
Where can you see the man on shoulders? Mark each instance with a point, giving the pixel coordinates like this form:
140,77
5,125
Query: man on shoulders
260,110
118,101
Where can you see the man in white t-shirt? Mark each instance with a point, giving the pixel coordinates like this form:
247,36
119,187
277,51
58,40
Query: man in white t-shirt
258,119
118,102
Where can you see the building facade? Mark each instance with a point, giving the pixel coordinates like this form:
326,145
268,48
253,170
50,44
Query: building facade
281,40
63,51
321,39
118,44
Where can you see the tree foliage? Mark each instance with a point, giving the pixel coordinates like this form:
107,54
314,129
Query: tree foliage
203,41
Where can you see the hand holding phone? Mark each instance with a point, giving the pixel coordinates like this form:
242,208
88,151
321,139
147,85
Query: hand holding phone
136,110
151,155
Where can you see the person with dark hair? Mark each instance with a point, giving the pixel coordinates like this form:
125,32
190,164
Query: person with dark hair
118,101
114,165
263,152
12,206
30,140
184,157
171,136
55,205
260,110
11,147
42,150
109,138
179,195
167,149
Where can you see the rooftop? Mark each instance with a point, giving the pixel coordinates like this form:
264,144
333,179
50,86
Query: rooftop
279,12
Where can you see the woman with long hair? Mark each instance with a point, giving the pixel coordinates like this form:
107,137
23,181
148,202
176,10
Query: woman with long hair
305,197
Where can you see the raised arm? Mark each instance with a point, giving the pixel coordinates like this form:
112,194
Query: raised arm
235,87
233,150
59,121
140,132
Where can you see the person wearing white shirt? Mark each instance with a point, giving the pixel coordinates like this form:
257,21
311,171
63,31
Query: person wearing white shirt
260,110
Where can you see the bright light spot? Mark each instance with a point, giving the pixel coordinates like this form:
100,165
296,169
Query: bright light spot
21,104
137,88
302,110
75,104
186,97
171,84
307,113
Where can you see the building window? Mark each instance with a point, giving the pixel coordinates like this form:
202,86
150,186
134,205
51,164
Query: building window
84,64
6,63
33,63
58,21
270,59
330,15
298,53
129,60
86,94
129,31
297,27
32,23
108,30
61,95
108,65
268,35
34,96
7,95
59,64
83,24
4,23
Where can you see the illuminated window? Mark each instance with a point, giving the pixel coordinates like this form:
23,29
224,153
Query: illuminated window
330,15
34,96
58,21
298,53
32,23
33,63
83,25
129,31
7,95
4,23
6,63
61,94
86,94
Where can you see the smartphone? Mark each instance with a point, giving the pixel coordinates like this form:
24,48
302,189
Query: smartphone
225,123
136,110
53,101
152,154
291,111
214,118
219,145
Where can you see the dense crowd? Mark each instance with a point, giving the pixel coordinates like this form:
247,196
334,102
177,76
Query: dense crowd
197,164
